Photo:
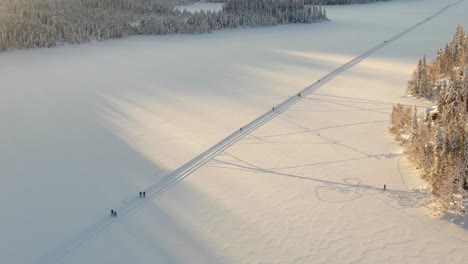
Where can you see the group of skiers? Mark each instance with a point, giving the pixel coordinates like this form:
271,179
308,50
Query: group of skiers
114,213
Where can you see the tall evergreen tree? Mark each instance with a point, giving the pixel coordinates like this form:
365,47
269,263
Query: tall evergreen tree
414,124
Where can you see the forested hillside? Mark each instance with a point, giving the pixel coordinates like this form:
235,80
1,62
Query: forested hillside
340,2
47,23
437,142
323,2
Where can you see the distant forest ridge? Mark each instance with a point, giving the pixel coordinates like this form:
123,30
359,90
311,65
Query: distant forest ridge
319,2
340,2
47,23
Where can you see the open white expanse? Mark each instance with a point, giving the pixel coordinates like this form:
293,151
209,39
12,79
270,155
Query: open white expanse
85,128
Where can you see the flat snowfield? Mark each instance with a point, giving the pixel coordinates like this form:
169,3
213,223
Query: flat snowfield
85,128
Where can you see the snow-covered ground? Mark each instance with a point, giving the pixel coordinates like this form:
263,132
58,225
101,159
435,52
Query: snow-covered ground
85,128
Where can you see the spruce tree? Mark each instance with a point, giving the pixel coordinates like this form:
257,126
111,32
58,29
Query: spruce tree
414,125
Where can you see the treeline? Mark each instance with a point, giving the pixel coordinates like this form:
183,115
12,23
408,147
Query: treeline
272,12
322,2
234,14
437,143
429,79
47,23
341,2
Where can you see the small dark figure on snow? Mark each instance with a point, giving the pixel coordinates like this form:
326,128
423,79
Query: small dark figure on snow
115,213
385,187
273,109
299,94
144,194
241,129
112,212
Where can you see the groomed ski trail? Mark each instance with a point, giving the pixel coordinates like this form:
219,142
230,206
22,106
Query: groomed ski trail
132,205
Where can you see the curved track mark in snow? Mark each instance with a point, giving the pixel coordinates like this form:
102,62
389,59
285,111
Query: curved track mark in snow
132,205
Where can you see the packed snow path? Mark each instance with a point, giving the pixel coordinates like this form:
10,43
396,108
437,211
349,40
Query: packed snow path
132,205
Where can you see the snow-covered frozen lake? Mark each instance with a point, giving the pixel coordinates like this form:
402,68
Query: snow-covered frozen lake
86,127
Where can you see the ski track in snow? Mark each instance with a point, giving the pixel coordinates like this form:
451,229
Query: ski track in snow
133,204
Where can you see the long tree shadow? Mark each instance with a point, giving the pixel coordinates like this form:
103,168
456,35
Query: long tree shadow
349,189
460,220
354,107
125,160
358,100
156,235
308,130
315,132
331,110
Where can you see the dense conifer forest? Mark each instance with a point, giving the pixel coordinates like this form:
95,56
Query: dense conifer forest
437,141
321,2
340,2
47,23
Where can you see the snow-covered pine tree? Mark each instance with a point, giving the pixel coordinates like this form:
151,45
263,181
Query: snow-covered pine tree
414,125
438,142
424,86
455,142
447,147
417,88
465,162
